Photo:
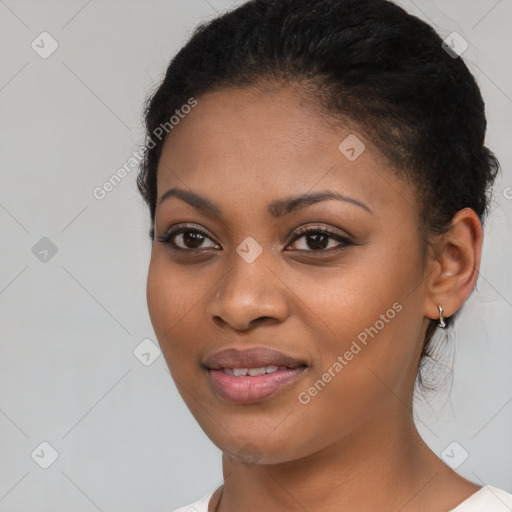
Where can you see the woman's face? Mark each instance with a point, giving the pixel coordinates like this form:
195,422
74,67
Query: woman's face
347,308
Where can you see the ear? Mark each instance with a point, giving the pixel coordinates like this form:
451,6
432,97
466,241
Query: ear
454,269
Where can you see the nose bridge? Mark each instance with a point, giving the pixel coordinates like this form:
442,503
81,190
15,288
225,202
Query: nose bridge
249,289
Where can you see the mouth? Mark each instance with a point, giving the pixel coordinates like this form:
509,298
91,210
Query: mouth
256,372
252,375
255,358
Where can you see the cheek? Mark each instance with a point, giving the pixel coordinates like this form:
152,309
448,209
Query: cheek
360,300
367,326
160,296
172,302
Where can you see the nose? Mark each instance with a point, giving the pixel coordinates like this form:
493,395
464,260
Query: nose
249,294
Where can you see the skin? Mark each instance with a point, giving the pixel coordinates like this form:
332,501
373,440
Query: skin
354,446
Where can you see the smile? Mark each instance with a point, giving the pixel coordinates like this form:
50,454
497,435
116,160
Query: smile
251,385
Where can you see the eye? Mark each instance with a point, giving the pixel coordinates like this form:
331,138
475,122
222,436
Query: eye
317,239
189,237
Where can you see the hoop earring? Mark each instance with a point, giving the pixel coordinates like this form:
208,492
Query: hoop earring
441,323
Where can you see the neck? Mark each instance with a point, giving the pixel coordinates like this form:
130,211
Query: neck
383,465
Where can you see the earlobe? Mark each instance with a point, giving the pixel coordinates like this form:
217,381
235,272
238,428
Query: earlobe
456,266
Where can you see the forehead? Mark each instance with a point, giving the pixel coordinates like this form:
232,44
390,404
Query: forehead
248,142
278,120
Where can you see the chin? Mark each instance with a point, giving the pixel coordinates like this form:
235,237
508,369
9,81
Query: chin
256,446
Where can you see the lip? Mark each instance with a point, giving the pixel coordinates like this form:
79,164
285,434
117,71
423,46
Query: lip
249,389
251,358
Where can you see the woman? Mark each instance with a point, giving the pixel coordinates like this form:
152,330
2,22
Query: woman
317,188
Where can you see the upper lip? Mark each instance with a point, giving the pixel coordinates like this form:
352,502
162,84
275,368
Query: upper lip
256,357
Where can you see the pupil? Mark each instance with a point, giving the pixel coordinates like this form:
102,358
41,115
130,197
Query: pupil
316,241
189,237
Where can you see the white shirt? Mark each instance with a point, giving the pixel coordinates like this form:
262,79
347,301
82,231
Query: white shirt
486,499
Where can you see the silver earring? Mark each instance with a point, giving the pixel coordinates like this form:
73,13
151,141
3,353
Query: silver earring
441,318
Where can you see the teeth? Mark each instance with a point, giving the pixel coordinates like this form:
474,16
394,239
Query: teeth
253,372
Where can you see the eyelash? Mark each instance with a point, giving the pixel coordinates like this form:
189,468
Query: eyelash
177,230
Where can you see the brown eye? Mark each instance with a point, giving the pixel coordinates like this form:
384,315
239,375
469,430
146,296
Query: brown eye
191,239
186,238
318,240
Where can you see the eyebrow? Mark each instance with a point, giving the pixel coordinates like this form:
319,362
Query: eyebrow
277,209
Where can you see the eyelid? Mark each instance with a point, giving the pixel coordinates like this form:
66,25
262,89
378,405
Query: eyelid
321,227
187,225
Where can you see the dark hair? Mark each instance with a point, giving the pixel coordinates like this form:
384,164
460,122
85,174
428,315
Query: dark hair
368,63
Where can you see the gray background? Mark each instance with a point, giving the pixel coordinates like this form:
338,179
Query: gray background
70,324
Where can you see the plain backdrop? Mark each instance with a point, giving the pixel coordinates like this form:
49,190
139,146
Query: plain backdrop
116,435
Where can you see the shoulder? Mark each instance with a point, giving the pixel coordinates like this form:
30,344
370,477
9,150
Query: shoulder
198,506
487,499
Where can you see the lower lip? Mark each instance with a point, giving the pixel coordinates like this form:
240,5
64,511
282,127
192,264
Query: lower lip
248,390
